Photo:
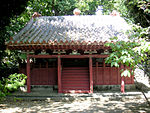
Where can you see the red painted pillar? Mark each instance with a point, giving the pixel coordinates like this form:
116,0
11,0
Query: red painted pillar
91,75
59,75
104,72
96,73
122,82
28,75
122,85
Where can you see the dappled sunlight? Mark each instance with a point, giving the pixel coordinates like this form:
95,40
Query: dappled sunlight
79,104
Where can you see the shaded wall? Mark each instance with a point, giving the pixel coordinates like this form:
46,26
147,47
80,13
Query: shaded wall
109,76
101,76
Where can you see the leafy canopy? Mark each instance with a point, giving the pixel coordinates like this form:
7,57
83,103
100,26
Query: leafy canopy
130,53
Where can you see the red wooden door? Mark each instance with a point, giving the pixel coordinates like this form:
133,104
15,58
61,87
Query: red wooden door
75,79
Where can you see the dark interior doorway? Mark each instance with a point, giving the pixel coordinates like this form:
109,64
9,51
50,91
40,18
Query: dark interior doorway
75,62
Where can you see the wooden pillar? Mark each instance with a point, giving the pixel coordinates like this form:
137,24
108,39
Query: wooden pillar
104,71
122,82
59,75
28,75
91,75
96,81
122,85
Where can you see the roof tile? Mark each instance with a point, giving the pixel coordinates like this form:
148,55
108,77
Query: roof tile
72,28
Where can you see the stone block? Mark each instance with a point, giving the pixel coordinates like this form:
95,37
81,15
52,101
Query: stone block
113,87
41,88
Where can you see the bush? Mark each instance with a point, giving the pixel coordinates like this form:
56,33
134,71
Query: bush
3,90
15,81
12,83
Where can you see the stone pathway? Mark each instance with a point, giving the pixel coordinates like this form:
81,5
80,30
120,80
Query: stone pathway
101,102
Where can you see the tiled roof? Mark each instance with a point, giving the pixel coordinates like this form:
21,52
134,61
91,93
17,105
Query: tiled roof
88,28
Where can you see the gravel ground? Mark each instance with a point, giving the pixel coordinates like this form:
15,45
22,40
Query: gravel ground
101,104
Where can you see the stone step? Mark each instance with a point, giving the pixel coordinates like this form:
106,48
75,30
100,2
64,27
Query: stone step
38,88
75,98
42,89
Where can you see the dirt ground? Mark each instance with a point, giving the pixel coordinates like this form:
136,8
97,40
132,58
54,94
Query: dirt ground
75,105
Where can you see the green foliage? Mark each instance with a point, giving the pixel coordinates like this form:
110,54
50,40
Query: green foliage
3,90
17,99
12,83
130,53
126,73
22,56
139,32
9,63
139,11
88,7
11,59
15,81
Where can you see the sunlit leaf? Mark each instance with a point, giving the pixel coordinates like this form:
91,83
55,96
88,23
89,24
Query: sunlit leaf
126,73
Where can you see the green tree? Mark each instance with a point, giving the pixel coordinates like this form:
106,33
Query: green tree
139,11
9,9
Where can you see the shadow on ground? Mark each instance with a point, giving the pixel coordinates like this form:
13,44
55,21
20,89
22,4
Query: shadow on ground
97,103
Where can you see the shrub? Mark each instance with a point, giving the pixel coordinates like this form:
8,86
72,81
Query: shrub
12,83
3,90
15,81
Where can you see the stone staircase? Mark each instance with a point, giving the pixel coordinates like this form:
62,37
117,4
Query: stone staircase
97,96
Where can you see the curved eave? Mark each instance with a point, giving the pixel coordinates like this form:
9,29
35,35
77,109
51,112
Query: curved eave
57,45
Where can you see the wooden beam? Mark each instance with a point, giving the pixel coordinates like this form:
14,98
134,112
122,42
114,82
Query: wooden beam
28,75
62,45
91,74
68,56
59,75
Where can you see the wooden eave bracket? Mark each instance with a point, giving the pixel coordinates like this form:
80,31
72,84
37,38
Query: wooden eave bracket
32,42
106,52
59,51
43,42
84,43
27,42
72,43
11,38
61,42
50,42
20,43
8,43
101,43
74,52
38,43
66,42
43,52
90,51
16,42
95,43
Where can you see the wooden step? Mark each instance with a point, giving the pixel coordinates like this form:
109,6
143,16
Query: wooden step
73,71
76,68
75,88
75,78
76,91
75,82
